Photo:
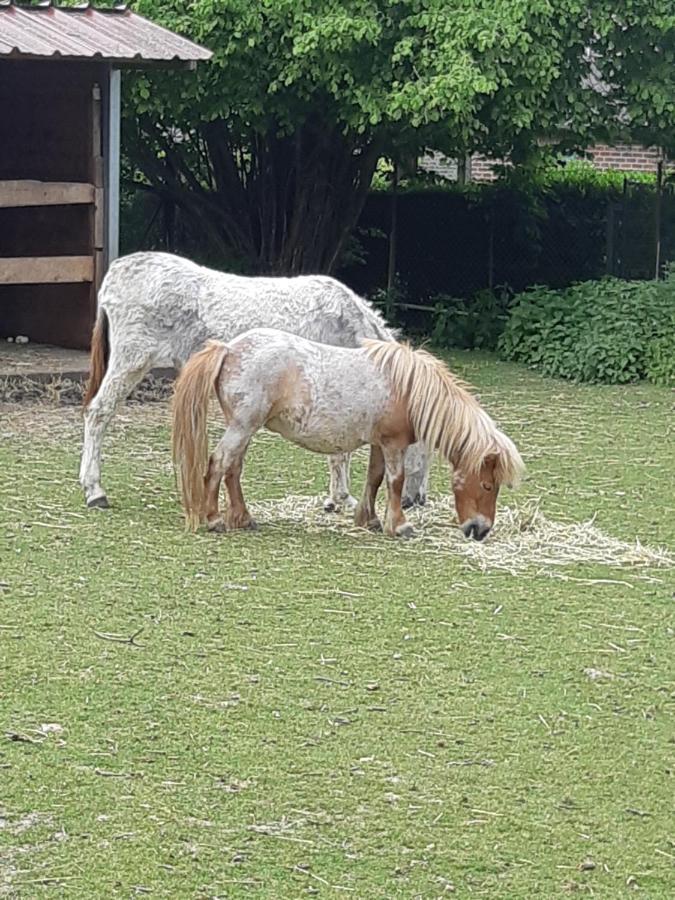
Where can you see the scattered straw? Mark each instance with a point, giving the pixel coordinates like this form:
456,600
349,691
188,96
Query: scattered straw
57,390
523,539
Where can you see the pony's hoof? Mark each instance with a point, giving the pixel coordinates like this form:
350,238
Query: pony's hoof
374,525
346,504
405,531
100,502
417,500
241,525
216,527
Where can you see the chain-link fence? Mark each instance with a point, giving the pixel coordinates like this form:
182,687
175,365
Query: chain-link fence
454,244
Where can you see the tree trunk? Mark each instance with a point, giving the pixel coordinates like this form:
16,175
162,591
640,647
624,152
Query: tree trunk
286,204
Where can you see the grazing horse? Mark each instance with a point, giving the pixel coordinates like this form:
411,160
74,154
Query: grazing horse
156,308
333,400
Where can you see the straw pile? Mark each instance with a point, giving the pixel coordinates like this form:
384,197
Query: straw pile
523,540
59,391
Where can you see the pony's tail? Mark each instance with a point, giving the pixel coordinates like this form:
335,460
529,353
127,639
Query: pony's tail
100,354
190,437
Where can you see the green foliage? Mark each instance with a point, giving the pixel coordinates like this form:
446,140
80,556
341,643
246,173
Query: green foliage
660,358
583,176
473,324
270,148
598,331
475,73
388,299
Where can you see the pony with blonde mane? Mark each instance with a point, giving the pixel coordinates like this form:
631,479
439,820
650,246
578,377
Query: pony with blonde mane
334,400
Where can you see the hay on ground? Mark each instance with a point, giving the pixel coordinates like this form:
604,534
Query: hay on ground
61,391
523,540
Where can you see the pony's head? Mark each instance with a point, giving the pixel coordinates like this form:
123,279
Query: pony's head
476,486
447,418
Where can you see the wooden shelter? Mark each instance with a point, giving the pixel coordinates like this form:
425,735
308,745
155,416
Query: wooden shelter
59,157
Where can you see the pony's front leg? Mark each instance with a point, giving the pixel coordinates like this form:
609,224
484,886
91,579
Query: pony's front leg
395,524
364,514
339,496
417,465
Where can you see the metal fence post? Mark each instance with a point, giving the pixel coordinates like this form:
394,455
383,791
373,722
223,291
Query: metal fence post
609,262
657,220
391,263
491,249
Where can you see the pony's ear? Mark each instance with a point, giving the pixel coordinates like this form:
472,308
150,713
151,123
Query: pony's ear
491,459
495,462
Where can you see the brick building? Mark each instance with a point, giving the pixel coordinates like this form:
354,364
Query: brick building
620,158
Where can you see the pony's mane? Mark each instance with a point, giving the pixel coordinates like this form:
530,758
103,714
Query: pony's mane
443,412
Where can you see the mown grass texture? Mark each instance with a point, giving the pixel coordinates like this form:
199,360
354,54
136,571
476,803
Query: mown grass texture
302,711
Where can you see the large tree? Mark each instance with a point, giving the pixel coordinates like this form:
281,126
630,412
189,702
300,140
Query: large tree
270,149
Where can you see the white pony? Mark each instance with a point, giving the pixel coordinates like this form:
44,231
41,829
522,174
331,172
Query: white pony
333,400
156,308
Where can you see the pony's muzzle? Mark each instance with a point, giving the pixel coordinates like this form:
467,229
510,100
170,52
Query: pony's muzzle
477,528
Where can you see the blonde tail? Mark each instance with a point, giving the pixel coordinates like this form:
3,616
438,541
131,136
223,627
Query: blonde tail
190,416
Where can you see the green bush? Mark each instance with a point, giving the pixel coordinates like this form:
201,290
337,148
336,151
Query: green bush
660,366
473,324
599,331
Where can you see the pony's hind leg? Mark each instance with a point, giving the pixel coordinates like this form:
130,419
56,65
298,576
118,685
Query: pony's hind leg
227,461
117,384
339,496
211,512
395,524
364,514
237,515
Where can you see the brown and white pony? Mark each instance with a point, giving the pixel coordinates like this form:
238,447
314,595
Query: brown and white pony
333,400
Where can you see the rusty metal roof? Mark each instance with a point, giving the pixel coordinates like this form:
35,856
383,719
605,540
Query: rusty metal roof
82,32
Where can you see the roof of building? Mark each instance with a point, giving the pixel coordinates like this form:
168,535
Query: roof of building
115,35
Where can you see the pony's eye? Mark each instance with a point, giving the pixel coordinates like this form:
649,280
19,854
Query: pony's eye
486,486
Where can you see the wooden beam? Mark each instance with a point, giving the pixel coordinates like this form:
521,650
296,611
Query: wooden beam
44,193
46,269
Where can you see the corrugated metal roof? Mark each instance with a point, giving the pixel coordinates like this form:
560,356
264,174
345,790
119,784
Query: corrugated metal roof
113,35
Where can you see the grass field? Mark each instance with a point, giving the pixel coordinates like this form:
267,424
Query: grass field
305,711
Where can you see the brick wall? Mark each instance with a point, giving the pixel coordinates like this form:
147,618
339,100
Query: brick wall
439,165
482,168
621,158
625,157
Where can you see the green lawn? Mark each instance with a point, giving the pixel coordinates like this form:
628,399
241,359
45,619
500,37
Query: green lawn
305,712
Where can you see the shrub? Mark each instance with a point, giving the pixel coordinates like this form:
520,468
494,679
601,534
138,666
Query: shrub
661,358
598,331
473,324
